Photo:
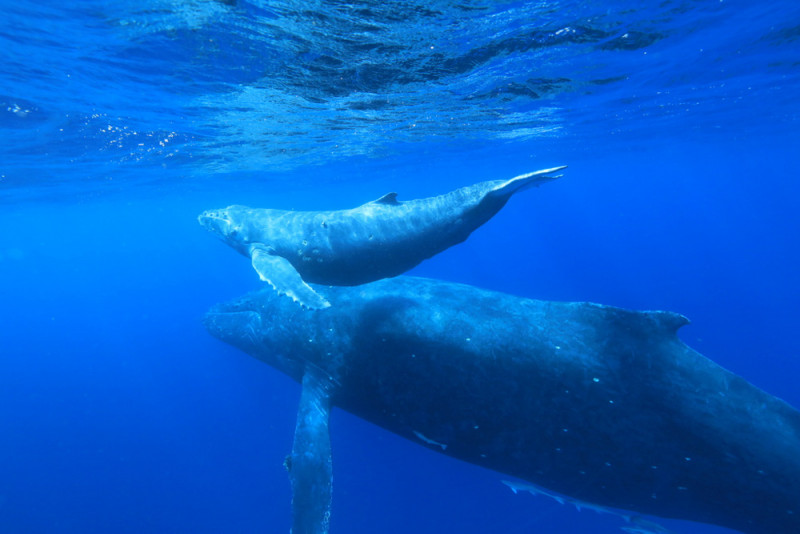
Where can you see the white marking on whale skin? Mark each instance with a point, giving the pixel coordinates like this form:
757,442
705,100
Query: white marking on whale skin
643,526
429,441
640,526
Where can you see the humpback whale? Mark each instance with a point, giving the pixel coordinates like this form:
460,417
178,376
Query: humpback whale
600,404
379,239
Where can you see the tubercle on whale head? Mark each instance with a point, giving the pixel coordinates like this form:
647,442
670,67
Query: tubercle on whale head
245,323
227,226
218,222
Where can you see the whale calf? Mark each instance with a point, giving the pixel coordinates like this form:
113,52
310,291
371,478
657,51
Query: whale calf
380,239
603,405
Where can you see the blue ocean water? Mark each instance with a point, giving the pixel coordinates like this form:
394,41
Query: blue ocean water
121,121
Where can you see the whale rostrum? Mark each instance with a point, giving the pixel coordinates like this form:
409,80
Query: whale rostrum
379,239
604,406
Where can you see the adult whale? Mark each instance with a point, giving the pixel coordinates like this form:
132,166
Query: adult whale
604,405
379,239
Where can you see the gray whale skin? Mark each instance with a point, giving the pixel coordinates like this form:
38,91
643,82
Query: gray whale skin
379,239
604,405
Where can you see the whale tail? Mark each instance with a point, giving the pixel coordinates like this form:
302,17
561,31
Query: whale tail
524,181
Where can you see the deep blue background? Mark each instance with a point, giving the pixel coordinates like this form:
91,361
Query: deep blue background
119,413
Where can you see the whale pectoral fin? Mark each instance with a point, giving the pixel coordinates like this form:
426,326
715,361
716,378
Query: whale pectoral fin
278,272
310,465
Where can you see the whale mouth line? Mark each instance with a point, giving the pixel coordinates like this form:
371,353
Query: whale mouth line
238,306
242,323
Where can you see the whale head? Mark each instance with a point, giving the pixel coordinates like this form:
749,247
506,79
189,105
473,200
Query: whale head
260,323
229,224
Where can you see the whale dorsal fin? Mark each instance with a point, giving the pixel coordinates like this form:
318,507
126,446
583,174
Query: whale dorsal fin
669,321
389,199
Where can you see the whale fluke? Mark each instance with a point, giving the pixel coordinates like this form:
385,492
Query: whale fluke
526,181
